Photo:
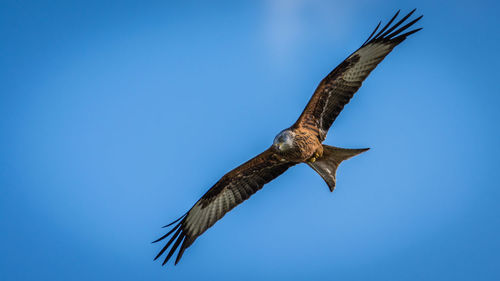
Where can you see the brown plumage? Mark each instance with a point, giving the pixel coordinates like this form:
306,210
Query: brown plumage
301,143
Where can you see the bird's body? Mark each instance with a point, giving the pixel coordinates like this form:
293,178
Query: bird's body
300,143
304,145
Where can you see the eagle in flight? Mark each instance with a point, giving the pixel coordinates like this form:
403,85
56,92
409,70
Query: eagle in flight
301,143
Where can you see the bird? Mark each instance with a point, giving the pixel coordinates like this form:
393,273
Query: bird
300,143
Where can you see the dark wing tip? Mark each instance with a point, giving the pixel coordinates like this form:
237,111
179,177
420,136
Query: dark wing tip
175,221
375,30
184,245
178,240
388,32
178,236
168,233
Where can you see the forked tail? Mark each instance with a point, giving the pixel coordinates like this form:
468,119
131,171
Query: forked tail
327,165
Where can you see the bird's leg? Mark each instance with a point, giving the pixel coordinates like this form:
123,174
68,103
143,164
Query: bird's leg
317,154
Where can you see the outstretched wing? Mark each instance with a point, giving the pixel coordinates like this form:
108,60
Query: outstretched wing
232,189
338,87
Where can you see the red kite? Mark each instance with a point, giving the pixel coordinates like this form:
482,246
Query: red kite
301,143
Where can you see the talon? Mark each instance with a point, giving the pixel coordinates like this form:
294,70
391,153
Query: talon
312,160
316,155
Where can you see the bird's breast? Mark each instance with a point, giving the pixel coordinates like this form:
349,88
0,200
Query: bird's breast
305,143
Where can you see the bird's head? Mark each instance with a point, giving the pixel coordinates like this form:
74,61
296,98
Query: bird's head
284,140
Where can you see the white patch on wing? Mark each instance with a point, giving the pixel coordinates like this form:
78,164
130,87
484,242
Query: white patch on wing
200,219
219,206
211,213
369,56
231,199
192,218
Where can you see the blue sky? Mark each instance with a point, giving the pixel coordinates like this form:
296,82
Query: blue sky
118,116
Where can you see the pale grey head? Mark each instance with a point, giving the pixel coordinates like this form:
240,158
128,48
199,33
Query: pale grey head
284,140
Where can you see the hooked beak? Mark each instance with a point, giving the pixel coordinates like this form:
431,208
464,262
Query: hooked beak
278,146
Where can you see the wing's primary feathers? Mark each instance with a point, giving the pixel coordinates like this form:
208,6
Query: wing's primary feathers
338,87
232,189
